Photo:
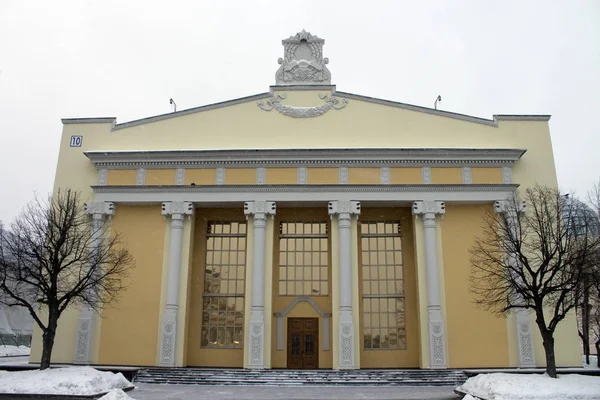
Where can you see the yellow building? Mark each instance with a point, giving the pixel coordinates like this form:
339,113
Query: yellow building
302,228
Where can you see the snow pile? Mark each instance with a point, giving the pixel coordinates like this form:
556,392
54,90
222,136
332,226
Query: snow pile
593,362
116,394
72,380
501,386
8,350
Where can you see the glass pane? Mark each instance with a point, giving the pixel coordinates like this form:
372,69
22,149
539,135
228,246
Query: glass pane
296,345
309,345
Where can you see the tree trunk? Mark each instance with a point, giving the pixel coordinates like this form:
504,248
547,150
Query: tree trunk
585,325
48,340
548,339
598,353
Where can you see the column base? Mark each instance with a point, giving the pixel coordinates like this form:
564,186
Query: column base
346,337
168,338
85,332
524,340
437,340
256,345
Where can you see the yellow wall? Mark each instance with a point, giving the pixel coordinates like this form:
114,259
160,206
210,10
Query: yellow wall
196,355
200,176
476,338
322,176
364,176
240,176
160,177
408,358
486,175
282,176
302,309
446,175
121,177
406,176
128,334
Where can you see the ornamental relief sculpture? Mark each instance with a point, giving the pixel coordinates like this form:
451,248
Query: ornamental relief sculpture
302,112
303,61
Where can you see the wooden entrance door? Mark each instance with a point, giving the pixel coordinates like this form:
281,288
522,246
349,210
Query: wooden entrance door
303,343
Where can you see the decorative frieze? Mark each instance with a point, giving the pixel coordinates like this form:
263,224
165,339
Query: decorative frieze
102,176
302,179
302,112
179,176
343,175
385,175
506,175
437,331
261,176
426,175
220,176
140,176
467,177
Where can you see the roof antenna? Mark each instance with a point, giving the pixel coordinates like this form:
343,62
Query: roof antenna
171,101
439,98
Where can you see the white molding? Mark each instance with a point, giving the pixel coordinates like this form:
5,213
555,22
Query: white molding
180,176
225,194
102,176
302,176
357,157
220,176
426,175
506,175
343,175
467,177
384,175
140,176
261,176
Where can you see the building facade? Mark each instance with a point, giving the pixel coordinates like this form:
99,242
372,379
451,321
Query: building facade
303,228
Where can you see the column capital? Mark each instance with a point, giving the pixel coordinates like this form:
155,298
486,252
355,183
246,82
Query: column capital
428,208
99,209
344,207
260,209
510,206
177,207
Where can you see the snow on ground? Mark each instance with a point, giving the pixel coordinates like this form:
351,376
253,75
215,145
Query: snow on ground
115,394
593,362
501,386
9,350
71,380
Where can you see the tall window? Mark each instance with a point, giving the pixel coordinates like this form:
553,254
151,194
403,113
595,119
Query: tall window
382,285
224,282
303,258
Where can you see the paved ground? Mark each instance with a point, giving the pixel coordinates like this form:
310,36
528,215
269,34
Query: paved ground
147,391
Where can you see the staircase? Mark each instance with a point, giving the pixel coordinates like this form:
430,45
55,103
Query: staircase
240,377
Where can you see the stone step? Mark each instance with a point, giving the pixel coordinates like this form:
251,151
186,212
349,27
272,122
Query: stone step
198,376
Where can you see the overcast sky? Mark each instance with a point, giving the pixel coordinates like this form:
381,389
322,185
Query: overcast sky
125,59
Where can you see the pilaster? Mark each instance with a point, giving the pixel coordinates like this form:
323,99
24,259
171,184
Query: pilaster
522,326
86,323
437,331
168,333
344,211
259,210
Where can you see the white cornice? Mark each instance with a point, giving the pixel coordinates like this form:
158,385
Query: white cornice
302,158
332,88
220,194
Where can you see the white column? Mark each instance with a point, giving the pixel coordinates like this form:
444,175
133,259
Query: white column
523,331
344,210
437,331
87,316
256,344
168,333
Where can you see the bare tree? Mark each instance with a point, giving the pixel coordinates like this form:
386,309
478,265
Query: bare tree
55,257
536,260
